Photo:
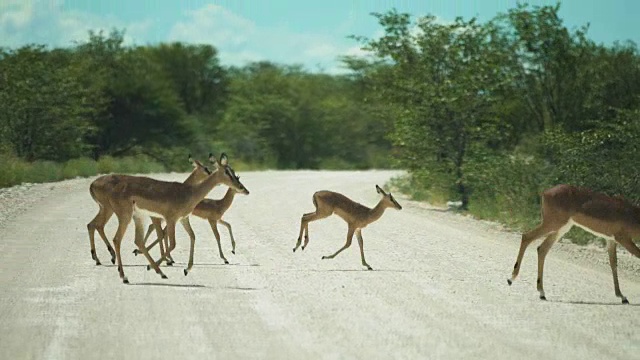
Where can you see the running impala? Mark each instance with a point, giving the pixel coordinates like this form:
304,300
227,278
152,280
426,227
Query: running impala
356,215
563,206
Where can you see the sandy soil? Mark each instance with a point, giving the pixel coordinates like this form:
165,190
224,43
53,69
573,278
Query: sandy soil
438,291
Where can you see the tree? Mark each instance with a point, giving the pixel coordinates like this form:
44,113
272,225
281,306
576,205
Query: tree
44,110
446,77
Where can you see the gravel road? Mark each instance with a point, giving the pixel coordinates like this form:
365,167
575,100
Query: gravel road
438,291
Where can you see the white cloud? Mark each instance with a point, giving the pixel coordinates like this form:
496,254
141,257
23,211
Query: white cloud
46,22
240,40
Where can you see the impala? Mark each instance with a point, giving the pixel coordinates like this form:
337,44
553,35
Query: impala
356,215
134,197
100,193
563,206
212,211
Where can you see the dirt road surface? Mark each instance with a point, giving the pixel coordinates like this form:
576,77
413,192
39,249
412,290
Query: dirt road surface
438,290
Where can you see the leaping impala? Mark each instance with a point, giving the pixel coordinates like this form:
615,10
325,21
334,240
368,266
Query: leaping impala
563,206
134,197
99,192
356,215
212,211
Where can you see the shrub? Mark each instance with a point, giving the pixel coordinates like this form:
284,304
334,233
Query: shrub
79,167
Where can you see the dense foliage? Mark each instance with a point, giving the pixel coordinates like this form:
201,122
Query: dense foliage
493,113
486,113
101,98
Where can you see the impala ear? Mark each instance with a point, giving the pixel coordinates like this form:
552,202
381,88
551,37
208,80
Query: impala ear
193,162
213,160
223,159
379,190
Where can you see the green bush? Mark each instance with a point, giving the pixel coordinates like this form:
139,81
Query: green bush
45,171
335,163
13,170
79,167
107,165
507,189
424,185
17,171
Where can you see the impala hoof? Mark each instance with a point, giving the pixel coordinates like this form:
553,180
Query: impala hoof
294,249
369,268
163,276
324,257
233,252
148,267
169,263
98,263
542,297
509,282
625,301
186,272
226,261
125,281
113,261
136,252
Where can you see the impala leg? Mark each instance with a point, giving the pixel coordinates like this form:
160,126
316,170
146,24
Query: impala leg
170,242
123,221
303,223
166,234
164,242
106,242
106,215
169,260
150,246
613,261
543,249
98,223
139,239
361,244
233,242
306,232
192,236
628,244
92,229
146,236
527,239
156,223
346,245
214,228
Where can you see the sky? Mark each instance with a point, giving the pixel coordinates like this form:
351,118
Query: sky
311,33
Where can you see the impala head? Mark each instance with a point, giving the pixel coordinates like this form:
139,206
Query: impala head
229,176
199,170
388,199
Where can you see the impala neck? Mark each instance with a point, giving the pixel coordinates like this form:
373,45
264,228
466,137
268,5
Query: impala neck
226,201
193,177
377,211
202,189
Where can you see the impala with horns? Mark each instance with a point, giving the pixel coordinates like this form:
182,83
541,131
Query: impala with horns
563,206
357,217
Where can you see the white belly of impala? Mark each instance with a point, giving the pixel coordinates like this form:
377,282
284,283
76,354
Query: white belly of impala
606,237
140,212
